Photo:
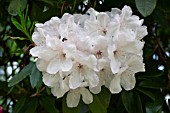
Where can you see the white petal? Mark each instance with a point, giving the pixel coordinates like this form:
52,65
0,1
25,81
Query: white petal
128,80
54,66
50,80
60,88
37,38
141,32
91,77
75,80
73,98
42,64
42,52
103,19
86,96
66,64
135,64
115,65
115,86
51,42
96,90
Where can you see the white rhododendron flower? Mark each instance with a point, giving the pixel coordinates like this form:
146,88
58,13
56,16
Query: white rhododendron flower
80,53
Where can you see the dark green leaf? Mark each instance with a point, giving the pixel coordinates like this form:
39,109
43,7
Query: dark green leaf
21,75
35,76
49,104
28,23
132,102
100,101
14,5
153,108
159,16
67,109
146,92
16,23
145,7
19,105
153,83
32,105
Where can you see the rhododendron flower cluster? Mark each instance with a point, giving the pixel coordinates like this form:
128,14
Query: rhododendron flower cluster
80,53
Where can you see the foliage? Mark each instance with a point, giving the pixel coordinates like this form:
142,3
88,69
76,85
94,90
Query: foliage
21,87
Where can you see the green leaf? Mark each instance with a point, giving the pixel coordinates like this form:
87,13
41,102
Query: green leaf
35,76
49,104
16,23
100,101
21,75
19,38
67,109
14,4
19,105
146,92
28,22
145,7
132,102
31,106
153,108
153,83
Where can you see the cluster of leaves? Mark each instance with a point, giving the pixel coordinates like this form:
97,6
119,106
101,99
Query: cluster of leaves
24,92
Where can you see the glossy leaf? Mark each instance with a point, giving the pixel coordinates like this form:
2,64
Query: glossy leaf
49,104
35,76
21,75
19,105
100,102
14,5
16,23
31,106
146,92
132,102
153,83
145,7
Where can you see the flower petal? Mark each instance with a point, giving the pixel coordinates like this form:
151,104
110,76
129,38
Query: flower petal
50,80
86,95
66,64
115,85
41,64
91,77
73,98
54,66
75,80
127,80
60,88
42,52
103,19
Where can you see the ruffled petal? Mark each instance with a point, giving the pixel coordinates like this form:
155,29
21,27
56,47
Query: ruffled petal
115,65
127,80
66,64
50,80
41,64
135,64
73,98
75,80
42,52
96,90
60,88
54,66
91,77
103,19
115,86
86,96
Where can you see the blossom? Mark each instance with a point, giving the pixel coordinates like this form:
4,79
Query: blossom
73,96
78,54
126,75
